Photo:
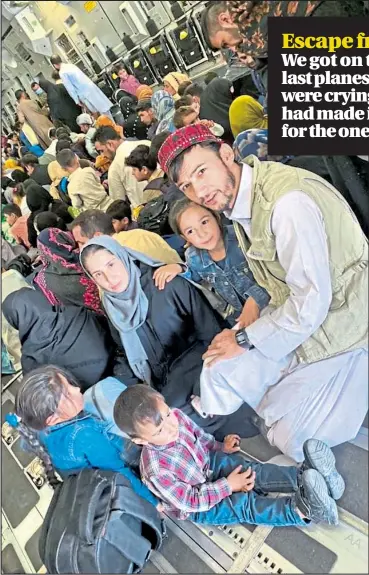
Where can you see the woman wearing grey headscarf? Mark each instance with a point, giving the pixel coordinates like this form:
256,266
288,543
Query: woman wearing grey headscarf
164,333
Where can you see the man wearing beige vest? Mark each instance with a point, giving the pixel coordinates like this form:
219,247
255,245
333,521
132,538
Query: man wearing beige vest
302,365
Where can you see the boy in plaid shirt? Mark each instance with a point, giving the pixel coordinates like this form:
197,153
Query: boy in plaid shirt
200,479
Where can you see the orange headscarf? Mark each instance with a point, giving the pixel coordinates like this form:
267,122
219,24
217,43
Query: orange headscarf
102,163
106,121
144,92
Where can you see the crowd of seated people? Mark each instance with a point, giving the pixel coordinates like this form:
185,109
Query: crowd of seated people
203,291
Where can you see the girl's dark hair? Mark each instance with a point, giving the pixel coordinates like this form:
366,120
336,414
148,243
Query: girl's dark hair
136,406
180,207
36,401
176,165
89,251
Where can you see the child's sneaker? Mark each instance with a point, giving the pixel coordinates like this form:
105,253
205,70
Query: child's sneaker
320,457
313,499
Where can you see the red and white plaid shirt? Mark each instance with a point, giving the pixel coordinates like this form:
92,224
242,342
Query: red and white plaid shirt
179,473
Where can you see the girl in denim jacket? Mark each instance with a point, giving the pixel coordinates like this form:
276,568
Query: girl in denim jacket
50,417
215,259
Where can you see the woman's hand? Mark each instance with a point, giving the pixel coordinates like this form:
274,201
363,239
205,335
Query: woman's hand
231,443
166,274
249,314
223,346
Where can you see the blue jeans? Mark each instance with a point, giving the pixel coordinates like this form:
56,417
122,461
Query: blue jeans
253,507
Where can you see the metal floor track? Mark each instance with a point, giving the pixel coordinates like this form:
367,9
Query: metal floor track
190,548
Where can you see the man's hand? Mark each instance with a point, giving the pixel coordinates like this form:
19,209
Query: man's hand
231,444
240,480
166,274
249,314
223,346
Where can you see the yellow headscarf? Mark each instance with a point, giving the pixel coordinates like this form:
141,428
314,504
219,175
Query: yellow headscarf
245,113
175,79
144,92
11,164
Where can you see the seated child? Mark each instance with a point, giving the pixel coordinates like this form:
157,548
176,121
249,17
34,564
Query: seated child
214,258
18,224
50,417
200,479
121,216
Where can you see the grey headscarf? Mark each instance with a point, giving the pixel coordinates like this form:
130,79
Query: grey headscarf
128,310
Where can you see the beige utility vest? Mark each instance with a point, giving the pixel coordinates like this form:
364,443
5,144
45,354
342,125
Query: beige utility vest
346,325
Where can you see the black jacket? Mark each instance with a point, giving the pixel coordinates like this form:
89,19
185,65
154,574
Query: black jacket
62,107
179,327
71,337
41,175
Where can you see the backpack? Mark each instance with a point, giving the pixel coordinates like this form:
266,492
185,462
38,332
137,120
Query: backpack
96,523
154,215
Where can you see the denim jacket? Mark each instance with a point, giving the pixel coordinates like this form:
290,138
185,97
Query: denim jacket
85,442
235,283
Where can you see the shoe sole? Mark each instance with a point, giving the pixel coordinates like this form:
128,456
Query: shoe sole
323,454
313,482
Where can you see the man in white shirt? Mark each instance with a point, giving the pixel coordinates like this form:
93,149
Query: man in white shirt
122,183
303,365
83,90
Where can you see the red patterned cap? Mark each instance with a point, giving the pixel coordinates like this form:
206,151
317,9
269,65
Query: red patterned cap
181,140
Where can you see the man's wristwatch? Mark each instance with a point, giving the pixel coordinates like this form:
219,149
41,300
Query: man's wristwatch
242,339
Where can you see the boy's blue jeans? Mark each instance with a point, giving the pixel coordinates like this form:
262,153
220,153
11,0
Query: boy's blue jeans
251,507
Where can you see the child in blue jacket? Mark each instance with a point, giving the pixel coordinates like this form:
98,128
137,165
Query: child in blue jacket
215,260
51,418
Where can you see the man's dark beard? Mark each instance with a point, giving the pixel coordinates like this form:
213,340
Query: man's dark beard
231,181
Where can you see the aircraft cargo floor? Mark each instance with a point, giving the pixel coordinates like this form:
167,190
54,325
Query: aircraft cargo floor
193,549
